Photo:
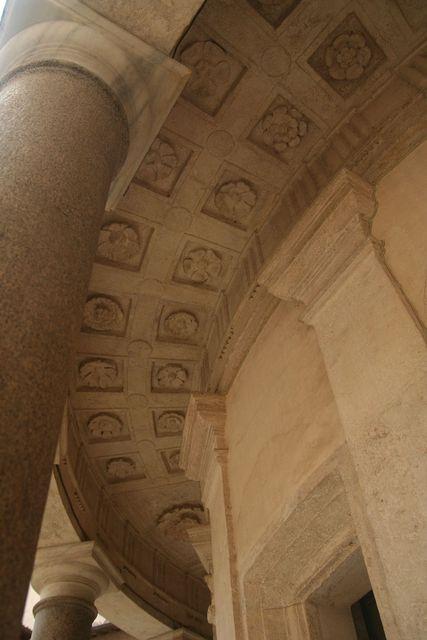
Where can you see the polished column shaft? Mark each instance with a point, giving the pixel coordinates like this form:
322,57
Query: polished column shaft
64,618
62,138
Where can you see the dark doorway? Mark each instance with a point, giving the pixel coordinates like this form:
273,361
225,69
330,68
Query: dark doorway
366,618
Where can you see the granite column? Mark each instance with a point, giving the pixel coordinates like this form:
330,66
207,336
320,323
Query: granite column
63,136
69,581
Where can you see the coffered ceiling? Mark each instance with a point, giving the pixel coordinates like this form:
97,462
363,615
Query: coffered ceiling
173,290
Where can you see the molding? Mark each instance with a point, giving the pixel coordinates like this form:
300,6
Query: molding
332,233
203,438
200,538
69,570
145,81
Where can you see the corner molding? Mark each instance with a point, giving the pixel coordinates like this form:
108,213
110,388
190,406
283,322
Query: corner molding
334,230
203,439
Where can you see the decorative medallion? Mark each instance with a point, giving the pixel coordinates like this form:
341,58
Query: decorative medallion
171,376
99,374
174,522
284,131
347,57
181,325
103,315
120,244
120,468
168,423
163,165
220,143
160,161
235,199
105,426
274,11
214,74
210,68
283,128
202,265
171,460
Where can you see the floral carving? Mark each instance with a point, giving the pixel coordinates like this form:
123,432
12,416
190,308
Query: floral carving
171,376
348,56
103,314
235,198
283,127
181,325
174,522
160,161
170,423
118,242
120,468
202,265
98,373
210,68
105,426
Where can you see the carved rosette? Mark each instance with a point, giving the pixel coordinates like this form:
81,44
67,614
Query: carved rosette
105,426
120,468
119,242
235,199
174,522
210,68
283,128
160,161
103,314
348,56
170,423
181,325
171,376
202,265
98,373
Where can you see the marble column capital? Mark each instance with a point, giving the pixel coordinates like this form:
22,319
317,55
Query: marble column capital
144,81
322,247
69,571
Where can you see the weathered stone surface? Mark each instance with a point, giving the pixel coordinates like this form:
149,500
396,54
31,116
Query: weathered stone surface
158,22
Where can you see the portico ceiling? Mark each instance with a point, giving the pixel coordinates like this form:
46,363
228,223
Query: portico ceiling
282,94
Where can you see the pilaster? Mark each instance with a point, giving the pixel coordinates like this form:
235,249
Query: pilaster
376,361
204,455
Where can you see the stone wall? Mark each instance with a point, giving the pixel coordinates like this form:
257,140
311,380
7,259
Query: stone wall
281,424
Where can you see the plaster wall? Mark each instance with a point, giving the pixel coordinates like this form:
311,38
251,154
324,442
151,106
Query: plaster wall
401,223
282,423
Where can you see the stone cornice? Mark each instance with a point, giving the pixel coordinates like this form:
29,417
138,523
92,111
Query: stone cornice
333,231
200,538
203,440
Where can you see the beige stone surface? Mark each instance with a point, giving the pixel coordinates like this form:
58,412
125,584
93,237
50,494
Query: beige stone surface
282,423
161,23
400,222
56,525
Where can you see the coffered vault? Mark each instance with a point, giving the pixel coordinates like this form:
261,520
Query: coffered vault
282,96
